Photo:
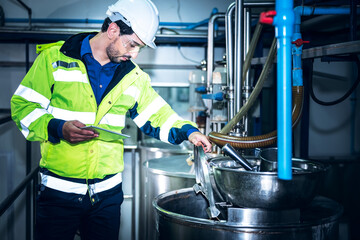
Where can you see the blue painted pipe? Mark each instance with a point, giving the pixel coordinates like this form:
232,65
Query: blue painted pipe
284,27
297,51
308,11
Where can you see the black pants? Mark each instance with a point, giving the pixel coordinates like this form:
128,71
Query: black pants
60,215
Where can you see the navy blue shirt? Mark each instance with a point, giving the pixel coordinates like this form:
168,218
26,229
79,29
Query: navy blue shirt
99,76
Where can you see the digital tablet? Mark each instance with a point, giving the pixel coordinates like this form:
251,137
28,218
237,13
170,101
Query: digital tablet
106,135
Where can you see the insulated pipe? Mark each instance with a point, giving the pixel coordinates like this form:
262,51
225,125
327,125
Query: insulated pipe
263,140
230,59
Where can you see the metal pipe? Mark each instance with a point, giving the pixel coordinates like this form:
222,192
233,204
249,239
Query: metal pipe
28,161
133,192
239,25
210,61
210,49
5,119
247,86
264,74
230,59
284,26
28,9
259,4
9,200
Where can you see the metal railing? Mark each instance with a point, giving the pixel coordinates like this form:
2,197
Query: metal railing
32,176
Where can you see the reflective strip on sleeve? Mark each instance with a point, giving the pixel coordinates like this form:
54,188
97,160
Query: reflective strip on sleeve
25,132
65,64
63,185
62,75
113,120
132,91
165,128
30,118
84,117
32,96
153,108
106,184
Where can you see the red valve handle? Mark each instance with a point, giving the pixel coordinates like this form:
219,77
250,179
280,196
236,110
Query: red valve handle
267,17
299,42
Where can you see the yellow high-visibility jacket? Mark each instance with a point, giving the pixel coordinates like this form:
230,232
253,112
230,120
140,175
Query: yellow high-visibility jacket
57,86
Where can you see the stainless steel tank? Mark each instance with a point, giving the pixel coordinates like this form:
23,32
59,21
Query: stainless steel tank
163,175
181,215
152,149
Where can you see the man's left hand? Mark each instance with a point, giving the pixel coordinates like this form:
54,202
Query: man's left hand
199,139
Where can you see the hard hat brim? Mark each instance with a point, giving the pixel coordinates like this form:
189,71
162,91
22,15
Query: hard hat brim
152,45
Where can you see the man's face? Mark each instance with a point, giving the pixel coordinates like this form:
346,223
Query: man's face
124,47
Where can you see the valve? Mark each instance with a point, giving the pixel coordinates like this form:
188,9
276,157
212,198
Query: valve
267,17
299,42
201,89
216,96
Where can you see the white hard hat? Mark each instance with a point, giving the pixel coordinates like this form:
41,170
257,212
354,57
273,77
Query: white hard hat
141,15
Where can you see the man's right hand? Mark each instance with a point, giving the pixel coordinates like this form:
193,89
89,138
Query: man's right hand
73,134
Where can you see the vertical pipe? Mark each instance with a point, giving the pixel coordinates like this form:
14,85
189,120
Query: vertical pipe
210,59
230,59
308,11
35,187
28,163
284,24
246,87
210,49
239,25
133,192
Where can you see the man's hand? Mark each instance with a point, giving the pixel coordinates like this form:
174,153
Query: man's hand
199,139
73,134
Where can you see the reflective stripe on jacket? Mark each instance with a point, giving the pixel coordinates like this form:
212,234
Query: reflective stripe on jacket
57,86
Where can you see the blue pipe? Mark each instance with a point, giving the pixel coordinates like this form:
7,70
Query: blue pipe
309,11
297,51
287,27
185,25
284,27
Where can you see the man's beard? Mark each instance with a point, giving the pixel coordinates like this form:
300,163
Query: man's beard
113,54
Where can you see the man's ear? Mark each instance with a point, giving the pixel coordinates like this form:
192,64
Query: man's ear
113,31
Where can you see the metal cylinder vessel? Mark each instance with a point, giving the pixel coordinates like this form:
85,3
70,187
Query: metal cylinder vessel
151,149
181,215
163,175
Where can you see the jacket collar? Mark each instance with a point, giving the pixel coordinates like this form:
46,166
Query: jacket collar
72,46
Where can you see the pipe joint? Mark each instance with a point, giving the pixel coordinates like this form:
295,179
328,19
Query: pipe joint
284,23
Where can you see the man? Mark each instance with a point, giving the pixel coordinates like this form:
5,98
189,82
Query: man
90,80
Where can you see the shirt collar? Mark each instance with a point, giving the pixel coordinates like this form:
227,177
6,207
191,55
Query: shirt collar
86,49
85,46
